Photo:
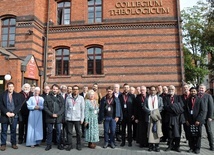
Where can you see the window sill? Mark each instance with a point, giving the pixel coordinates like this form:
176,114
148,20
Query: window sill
60,76
9,48
94,76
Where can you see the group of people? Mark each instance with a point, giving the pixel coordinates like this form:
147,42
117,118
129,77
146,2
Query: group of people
149,115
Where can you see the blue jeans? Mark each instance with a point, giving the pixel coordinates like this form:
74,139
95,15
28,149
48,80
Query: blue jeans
109,129
4,128
50,133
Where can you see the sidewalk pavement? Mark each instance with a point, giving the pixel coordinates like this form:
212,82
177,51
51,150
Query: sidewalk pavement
134,150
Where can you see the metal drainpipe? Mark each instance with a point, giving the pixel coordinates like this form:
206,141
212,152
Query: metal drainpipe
180,41
46,46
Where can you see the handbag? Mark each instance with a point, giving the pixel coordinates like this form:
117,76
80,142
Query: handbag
194,130
154,127
87,126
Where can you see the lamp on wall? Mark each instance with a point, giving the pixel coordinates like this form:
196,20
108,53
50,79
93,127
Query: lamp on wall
30,32
8,77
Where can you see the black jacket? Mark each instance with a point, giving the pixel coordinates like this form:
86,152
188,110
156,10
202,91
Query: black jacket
173,111
24,112
3,105
130,105
198,111
117,108
139,112
54,105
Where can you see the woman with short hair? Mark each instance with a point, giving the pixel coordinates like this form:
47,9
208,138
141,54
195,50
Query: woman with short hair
91,120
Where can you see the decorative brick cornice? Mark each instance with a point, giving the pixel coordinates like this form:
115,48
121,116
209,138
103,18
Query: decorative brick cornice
111,27
31,23
24,24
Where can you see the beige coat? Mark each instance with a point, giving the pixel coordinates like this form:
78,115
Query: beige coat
155,137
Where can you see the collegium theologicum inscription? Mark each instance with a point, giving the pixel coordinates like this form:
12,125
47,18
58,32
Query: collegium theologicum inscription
139,8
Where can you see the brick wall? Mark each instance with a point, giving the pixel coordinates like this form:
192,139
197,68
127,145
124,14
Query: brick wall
138,48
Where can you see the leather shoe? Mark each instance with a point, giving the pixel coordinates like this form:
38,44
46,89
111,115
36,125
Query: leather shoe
190,151
157,149
3,147
112,145
197,151
14,146
69,148
122,144
168,149
130,144
48,147
212,148
177,149
20,141
105,145
60,147
79,147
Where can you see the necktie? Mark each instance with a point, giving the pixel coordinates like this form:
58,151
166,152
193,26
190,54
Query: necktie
172,99
193,102
143,98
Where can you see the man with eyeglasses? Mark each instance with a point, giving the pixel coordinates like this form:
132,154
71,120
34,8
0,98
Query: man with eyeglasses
74,116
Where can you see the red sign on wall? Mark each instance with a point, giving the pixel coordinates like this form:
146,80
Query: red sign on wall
32,70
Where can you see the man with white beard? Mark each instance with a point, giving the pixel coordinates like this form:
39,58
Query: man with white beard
24,112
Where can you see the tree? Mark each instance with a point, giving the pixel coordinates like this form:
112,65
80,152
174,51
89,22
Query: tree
192,72
208,35
197,43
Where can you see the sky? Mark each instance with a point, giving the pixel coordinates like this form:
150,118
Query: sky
188,3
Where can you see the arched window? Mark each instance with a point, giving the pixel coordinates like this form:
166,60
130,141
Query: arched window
8,32
94,11
94,60
62,61
63,13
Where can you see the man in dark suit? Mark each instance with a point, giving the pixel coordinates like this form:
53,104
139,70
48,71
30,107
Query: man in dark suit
127,101
84,91
25,94
10,104
208,103
194,116
164,125
174,118
44,95
184,97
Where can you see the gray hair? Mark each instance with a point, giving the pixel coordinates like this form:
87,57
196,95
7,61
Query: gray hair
63,86
26,84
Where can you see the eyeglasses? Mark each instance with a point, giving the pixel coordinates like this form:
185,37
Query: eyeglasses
75,89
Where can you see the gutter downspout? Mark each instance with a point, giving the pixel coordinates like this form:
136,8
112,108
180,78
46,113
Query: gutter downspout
180,41
46,46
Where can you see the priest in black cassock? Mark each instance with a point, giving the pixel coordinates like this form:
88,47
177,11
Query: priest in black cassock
141,118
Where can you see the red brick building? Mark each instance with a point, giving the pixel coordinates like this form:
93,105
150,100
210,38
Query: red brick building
86,41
